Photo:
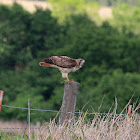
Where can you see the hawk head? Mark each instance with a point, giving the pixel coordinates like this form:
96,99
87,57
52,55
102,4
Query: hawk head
80,62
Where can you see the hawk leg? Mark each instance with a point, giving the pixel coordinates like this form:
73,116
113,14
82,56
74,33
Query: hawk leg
65,75
68,80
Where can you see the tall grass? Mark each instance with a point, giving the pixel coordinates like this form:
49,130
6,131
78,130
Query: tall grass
100,127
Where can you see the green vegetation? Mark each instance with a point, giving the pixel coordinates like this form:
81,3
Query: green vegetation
127,17
64,8
117,2
112,57
12,136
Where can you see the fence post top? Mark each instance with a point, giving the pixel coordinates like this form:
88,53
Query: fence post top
72,82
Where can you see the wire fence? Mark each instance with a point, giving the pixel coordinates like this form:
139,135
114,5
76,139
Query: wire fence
20,128
55,111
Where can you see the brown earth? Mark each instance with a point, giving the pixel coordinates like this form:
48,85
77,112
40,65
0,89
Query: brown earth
28,5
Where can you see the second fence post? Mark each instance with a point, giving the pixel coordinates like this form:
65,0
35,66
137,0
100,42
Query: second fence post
1,98
29,119
69,102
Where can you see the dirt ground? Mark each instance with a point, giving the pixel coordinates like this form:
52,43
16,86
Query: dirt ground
28,5
105,12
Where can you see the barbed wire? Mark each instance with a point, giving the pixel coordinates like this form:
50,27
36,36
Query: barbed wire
21,128
30,108
55,111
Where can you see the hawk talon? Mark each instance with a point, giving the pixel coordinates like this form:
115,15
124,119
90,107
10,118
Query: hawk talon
69,81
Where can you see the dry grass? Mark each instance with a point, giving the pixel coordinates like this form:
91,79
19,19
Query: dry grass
105,12
100,128
107,127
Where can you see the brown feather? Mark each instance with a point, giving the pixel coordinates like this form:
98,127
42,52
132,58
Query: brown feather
61,61
48,60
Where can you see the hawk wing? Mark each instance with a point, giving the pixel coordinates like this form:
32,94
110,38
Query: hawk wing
61,61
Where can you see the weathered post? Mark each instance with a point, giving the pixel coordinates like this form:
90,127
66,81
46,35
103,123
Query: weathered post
29,119
69,102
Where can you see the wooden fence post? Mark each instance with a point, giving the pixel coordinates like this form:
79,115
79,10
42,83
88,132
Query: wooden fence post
29,119
27,124
1,97
69,102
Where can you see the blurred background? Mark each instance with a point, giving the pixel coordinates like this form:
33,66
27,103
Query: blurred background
106,33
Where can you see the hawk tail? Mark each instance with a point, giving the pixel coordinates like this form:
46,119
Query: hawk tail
44,64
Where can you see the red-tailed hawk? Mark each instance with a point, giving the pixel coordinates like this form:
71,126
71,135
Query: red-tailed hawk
64,64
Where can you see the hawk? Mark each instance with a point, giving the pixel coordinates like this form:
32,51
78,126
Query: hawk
64,64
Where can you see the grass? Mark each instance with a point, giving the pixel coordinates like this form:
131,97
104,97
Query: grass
101,127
